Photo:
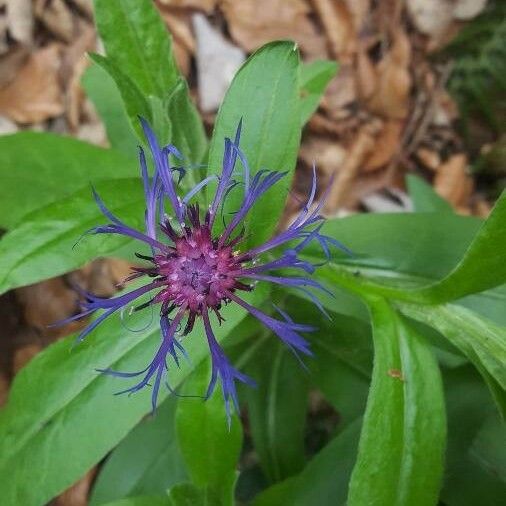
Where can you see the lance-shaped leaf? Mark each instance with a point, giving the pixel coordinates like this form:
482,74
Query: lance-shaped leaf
59,400
136,38
277,410
209,447
480,340
140,59
482,267
146,462
314,78
324,481
264,93
52,236
39,168
400,457
425,199
135,103
102,91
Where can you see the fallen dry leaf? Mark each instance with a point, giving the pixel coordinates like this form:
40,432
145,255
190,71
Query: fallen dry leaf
56,17
85,6
35,94
387,145
46,302
453,183
431,17
481,207
217,62
360,10
11,62
4,35
341,91
468,9
20,20
118,270
253,23
7,126
339,27
327,154
345,174
365,75
391,97
77,494
179,25
93,132
429,158
207,6
23,355
74,64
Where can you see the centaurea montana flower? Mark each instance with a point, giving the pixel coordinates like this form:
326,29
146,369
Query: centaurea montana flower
193,273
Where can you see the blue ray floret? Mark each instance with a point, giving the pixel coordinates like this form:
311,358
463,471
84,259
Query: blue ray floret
192,272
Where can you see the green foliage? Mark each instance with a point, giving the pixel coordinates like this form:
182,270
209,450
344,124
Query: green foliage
324,480
140,60
210,446
40,168
400,456
147,461
478,74
433,283
277,410
264,93
143,500
102,91
472,476
425,199
44,408
54,246
314,78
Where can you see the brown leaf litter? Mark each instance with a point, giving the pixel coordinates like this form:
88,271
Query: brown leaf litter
35,93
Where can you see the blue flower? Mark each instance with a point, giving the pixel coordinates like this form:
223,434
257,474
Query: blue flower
193,273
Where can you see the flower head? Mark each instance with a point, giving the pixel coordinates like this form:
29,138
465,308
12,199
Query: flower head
192,272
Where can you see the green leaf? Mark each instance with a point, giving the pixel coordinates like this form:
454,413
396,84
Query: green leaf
147,461
188,133
409,244
482,266
342,365
264,93
277,410
101,89
480,340
135,103
380,243
471,478
49,234
400,457
187,494
136,39
324,481
425,199
486,451
143,500
59,400
314,78
210,448
141,61
39,168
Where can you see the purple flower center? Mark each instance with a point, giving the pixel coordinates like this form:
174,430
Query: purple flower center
198,271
